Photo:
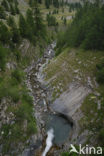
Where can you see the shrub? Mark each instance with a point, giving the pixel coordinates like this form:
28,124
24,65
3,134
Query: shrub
101,136
18,55
51,20
4,3
100,72
3,55
5,34
2,13
13,92
100,76
27,98
18,75
31,128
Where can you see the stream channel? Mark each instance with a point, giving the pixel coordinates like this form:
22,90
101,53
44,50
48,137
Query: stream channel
53,128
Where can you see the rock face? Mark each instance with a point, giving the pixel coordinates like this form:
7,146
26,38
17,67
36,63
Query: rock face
69,104
71,100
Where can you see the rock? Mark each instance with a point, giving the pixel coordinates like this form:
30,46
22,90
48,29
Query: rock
10,132
26,152
41,103
89,82
97,94
79,62
12,122
99,104
76,71
45,110
11,65
2,132
33,139
43,95
71,100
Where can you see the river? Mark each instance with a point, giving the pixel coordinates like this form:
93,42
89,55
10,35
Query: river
53,128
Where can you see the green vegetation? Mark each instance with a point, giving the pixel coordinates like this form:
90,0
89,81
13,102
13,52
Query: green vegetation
86,30
100,72
21,105
3,56
51,20
2,13
5,34
74,6
4,3
55,3
18,75
32,27
10,6
93,118
22,125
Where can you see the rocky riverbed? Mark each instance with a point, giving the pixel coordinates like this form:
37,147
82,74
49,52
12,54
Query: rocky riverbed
46,117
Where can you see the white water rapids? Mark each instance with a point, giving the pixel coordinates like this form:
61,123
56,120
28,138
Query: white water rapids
50,136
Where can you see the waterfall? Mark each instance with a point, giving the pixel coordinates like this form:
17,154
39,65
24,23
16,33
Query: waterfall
50,136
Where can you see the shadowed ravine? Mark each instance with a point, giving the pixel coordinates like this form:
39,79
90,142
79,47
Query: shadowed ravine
53,127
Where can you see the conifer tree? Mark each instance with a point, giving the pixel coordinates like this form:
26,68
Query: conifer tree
47,3
39,26
5,35
22,26
14,29
12,9
56,3
40,1
4,3
2,13
16,9
30,25
10,21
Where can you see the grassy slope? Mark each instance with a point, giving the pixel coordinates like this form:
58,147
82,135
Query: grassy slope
77,65
64,67
58,16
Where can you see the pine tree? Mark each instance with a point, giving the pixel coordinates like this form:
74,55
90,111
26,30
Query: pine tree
14,29
56,3
22,26
12,9
29,18
5,35
62,3
2,13
4,3
3,55
51,20
16,9
11,22
40,28
15,35
40,1
47,4
32,3
31,25
64,21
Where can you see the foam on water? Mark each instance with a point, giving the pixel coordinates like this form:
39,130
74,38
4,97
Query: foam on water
50,136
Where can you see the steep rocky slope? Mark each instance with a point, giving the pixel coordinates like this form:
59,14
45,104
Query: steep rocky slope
75,90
